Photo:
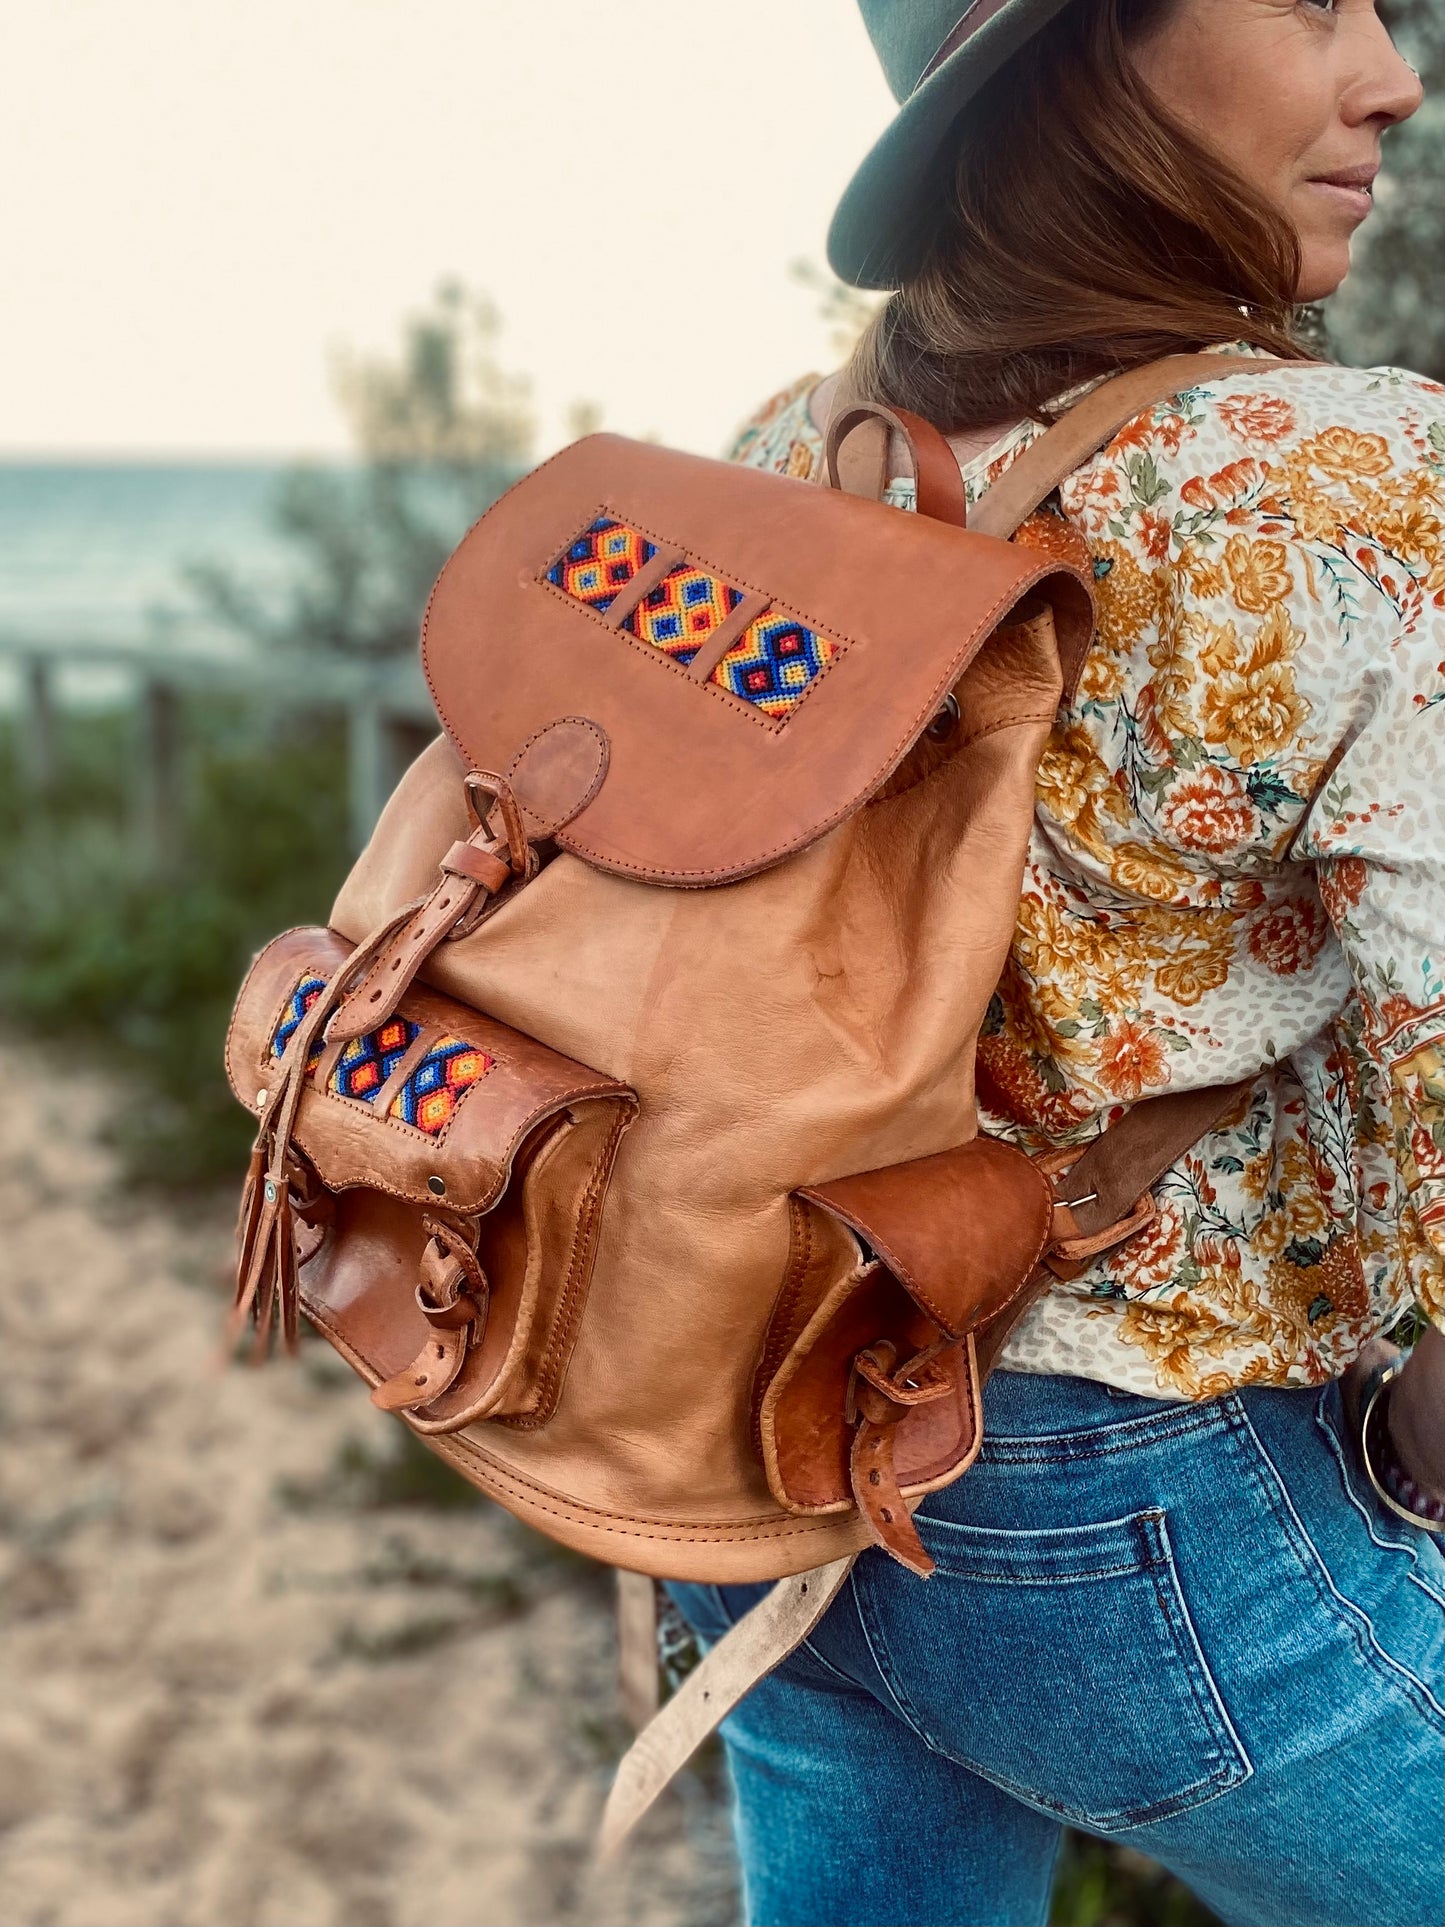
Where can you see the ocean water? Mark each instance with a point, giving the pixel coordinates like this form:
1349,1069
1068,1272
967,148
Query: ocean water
94,554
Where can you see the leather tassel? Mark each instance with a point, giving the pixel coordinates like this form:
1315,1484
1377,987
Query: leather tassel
251,1264
249,1213
275,1296
288,1280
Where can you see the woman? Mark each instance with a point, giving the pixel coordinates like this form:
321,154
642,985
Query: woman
1175,1602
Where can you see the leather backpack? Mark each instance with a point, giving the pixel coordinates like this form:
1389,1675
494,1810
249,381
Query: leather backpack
620,1130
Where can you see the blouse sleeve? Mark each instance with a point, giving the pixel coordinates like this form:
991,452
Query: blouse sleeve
1285,535
1377,835
1366,501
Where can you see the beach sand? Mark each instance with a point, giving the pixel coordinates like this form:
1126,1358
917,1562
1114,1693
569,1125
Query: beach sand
255,1671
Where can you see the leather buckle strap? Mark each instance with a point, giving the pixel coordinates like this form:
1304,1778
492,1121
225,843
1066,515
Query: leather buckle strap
881,1393
918,1381
1070,1250
452,1294
474,873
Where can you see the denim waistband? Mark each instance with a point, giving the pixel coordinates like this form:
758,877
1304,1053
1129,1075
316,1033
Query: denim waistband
1033,1404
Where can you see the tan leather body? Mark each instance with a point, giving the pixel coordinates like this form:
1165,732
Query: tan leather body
702,1254
812,1020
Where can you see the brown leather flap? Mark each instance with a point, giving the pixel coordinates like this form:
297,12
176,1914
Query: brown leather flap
731,661
431,1107
805,1426
960,1231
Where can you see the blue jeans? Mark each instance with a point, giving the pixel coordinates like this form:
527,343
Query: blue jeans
1190,1628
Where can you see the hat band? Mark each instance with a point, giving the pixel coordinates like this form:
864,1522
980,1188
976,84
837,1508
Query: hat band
977,15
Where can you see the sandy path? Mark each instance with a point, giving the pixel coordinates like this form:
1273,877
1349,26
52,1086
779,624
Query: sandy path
241,1685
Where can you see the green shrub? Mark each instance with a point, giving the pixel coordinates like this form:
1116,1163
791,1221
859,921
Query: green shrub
142,966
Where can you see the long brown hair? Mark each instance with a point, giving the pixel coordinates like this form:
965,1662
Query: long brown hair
1081,231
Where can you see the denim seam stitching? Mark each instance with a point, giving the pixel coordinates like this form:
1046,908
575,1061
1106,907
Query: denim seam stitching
1219,1780
1044,1579
1371,1524
1125,1436
902,1705
1175,1609
1343,1610
806,1646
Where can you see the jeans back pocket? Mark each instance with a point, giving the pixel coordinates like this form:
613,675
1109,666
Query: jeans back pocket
1061,1665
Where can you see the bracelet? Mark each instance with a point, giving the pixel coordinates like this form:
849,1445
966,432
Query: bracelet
1393,1485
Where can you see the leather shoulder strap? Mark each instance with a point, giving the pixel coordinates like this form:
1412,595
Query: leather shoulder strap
1114,1169
1090,423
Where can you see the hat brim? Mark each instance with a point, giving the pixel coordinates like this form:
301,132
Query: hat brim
882,226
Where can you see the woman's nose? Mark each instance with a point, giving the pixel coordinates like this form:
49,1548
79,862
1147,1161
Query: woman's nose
1388,88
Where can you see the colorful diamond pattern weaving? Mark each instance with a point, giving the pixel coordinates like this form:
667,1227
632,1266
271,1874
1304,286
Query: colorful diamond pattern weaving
683,610
773,662
602,560
297,1005
429,1097
366,1063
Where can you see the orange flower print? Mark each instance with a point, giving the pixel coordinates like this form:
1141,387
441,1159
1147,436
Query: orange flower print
1153,531
1197,493
1189,977
1148,873
1209,809
1257,418
1094,494
1127,598
1341,885
1235,483
1132,1060
1405,522
1254,709
1077,788
1345,455
1290,937
1257,560
1258,573
1150,1257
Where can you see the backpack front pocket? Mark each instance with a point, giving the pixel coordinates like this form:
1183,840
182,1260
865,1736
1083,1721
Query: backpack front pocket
448,1180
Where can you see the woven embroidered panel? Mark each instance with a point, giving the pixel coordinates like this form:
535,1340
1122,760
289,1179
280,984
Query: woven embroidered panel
602,560
366,1063
297,1005
773,662
683,610
429,1097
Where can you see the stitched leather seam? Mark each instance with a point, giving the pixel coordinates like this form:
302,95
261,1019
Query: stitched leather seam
489,1198
603,748
455,1445
571,1301
728,1532
1009,722
985,628
780,1337
235,1019
490,510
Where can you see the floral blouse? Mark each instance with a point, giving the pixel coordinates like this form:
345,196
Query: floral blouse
1237,865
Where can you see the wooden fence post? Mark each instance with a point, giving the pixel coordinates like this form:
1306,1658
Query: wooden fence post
366,763
160,793
38,759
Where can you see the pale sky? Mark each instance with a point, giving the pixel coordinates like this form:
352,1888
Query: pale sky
205,199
